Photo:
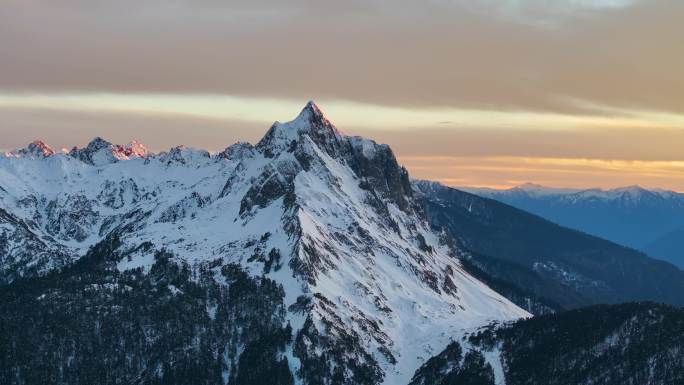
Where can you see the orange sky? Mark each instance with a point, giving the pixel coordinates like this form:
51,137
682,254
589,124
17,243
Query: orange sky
506,172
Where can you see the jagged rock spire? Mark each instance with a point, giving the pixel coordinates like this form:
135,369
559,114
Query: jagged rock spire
98,143
310,112
311,122
37,148
136,149
99,152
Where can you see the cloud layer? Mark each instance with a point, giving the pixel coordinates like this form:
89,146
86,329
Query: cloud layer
489,54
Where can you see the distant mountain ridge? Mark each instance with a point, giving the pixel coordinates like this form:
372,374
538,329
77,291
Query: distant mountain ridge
541,265
647,220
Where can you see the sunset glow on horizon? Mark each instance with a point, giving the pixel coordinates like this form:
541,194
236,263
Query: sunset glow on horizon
508,172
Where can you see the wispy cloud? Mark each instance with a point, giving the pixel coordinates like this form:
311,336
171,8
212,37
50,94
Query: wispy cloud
345,113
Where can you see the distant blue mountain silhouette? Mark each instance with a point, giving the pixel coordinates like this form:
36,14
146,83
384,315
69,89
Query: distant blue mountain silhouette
647,220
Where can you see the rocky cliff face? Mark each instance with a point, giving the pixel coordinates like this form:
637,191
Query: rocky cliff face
364,288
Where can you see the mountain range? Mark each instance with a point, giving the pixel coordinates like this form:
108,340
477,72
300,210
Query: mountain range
648,220
307,258
328,222
559,268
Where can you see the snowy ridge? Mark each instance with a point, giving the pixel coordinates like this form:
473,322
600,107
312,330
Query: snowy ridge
330,217
629,195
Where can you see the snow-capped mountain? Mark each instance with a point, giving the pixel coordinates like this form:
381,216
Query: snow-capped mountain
633,216
371,290
622,196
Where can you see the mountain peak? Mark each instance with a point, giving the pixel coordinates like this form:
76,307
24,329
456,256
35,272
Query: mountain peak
534,189
530,186
311,122
98,143
135,149
633,189
311,117
37,148
311,111
99,152
237,150
183,154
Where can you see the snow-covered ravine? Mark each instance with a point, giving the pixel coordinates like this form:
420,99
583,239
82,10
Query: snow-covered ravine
330,217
